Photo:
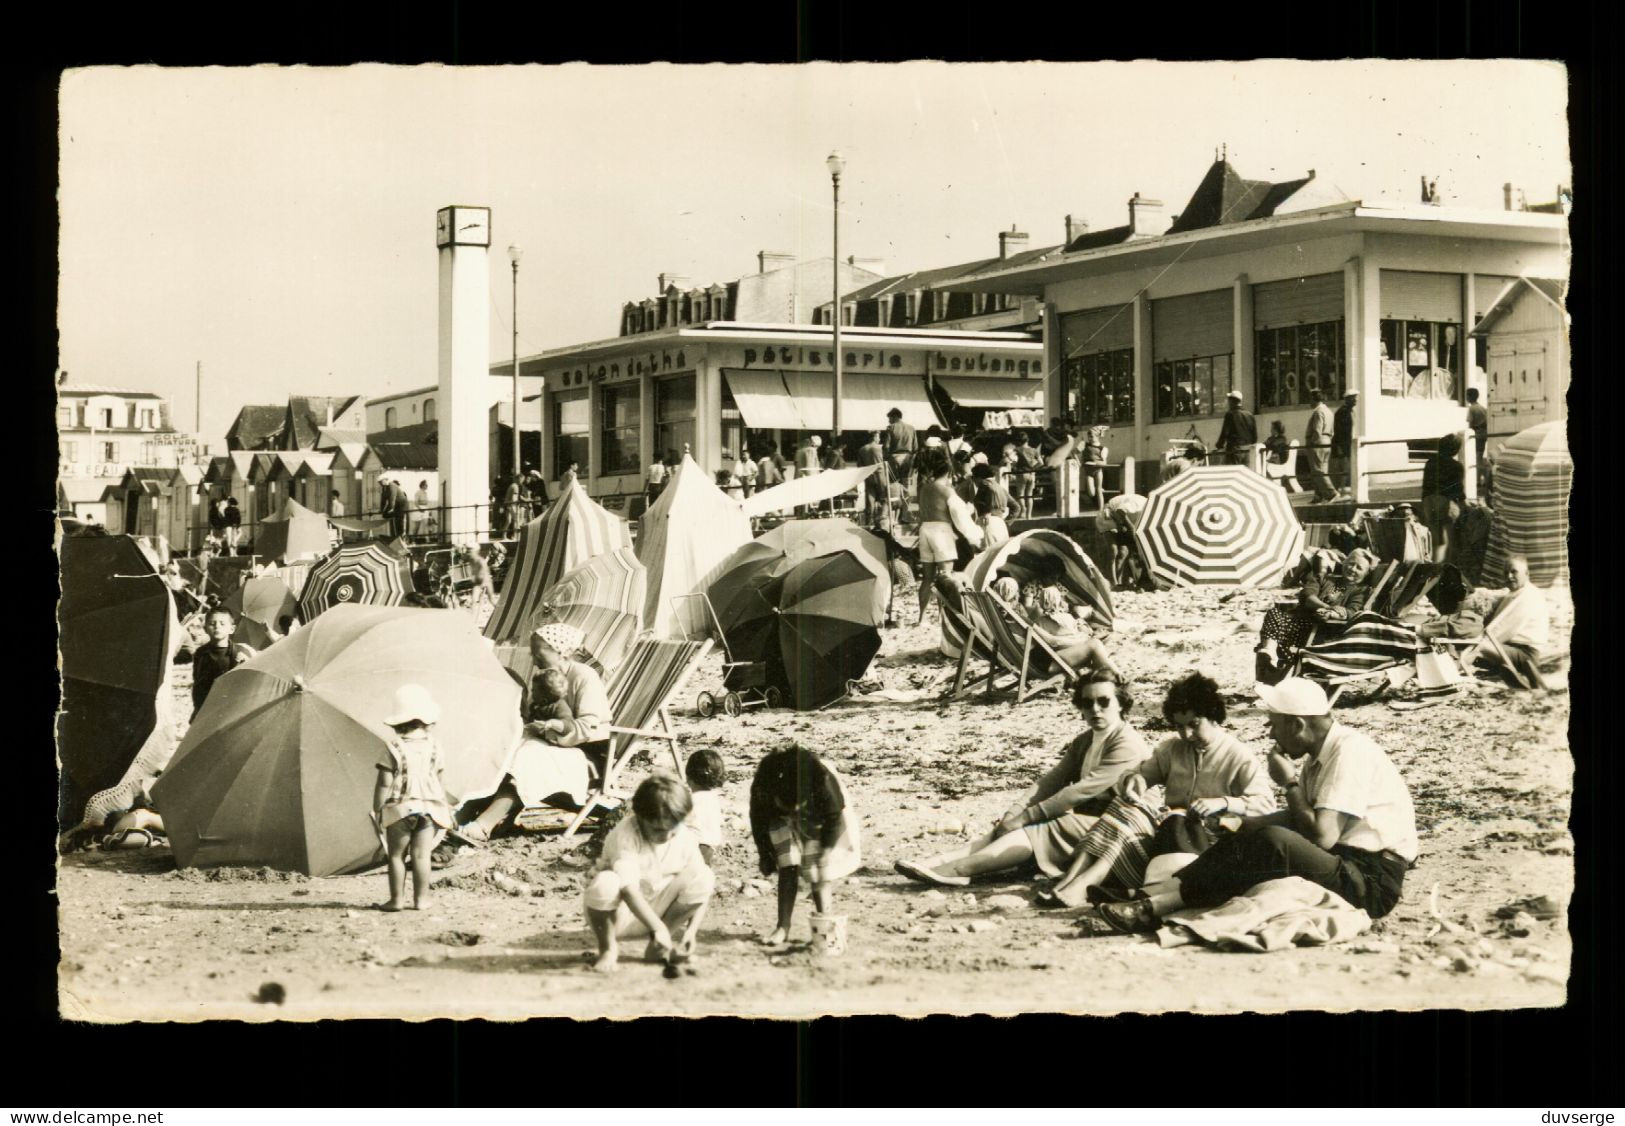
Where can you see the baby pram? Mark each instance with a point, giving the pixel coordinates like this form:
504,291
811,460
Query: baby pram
745,684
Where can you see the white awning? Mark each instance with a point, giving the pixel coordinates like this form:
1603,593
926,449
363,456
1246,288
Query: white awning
994,394
763,401
804,400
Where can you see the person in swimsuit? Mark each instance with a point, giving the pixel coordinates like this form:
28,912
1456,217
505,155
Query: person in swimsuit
938,547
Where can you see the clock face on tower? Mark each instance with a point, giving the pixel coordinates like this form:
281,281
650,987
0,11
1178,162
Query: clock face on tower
463,226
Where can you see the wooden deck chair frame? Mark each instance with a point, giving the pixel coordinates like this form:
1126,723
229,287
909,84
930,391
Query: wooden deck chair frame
987,614
632,724
1468,648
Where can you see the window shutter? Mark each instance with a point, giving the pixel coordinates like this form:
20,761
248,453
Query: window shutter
1411,296
1195,325
1298,301
1097,330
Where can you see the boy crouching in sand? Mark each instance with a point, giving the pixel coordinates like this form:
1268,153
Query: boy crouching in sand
650,878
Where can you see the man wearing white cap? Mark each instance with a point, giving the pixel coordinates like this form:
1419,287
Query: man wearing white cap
1238,433
1349,824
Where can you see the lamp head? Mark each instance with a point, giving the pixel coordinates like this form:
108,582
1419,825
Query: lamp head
836,163
515,254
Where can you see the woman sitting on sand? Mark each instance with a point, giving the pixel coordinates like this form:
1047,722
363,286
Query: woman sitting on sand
1205,773
556,753
1047,823
1323,600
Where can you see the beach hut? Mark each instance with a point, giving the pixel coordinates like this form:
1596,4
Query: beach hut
684,541
1533,475
312,482
354,473
155,503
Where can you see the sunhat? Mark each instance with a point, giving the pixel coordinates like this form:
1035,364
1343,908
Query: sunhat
1296,695
412,701
1236,395
561,638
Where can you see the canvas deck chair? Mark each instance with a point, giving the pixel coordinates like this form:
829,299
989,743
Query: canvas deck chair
1010,644
640,694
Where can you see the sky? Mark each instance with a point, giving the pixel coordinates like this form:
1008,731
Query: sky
276,225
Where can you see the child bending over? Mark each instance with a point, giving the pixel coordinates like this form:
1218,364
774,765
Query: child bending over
650,879
806,829
409,803
706,773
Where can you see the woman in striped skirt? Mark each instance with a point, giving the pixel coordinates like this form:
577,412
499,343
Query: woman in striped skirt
1204,772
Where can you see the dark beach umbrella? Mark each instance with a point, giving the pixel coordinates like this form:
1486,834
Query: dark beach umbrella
826,636
117,623
745,599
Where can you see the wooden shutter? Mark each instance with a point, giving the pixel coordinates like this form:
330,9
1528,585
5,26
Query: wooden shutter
1196,325
1411,296
1097,330
1298,301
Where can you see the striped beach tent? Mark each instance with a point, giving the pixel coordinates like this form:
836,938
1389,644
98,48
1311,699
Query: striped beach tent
1044,555
685,541
1533,475
570,532
1219,524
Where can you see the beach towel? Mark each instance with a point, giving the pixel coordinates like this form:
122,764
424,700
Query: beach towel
1521,619
1273,915
1370,642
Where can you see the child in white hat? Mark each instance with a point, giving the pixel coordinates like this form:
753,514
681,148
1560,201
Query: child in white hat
409,803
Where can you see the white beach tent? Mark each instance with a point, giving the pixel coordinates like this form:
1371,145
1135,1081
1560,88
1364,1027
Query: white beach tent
683,542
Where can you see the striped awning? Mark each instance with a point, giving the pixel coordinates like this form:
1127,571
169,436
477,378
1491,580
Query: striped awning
804,400
994,394
570,532
1219,524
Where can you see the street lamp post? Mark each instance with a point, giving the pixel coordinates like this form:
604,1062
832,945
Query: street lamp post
836,164
514,255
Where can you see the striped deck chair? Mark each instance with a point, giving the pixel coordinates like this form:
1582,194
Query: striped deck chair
640,693
1008,641
1370,646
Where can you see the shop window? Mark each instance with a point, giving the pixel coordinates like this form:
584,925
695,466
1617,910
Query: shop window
1100,388
570,437
674,415
389,418
618,436
1296,360
1421,360
1193,388
428,410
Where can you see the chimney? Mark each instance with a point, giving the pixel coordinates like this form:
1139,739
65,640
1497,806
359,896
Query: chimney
1075,227
772,260
873,265
666,281
1506,195
330,412
1012,242
1146,218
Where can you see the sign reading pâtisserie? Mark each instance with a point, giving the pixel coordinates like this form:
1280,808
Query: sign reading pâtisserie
915,361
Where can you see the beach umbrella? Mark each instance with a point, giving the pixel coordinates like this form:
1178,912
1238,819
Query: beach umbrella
799,539
1219,524
295,533
370,574
825,633
278,769
603,598
1533,476
745,599
117,634
265,599
573,530
1044,555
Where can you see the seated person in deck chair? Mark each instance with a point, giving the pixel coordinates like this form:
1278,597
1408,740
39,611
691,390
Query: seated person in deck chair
1324,599
1519,624
557,754
1060,622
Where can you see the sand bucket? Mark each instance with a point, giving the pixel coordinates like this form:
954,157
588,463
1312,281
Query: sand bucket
828,935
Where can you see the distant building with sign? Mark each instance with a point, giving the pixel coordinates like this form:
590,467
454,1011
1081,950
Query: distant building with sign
1277,290
104,432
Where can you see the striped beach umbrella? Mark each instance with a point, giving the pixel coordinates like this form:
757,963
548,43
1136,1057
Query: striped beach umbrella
1219,524
1533,475
603,598
367,574
573,530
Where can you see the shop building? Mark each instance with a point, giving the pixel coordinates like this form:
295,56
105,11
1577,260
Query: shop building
1277,290
613,406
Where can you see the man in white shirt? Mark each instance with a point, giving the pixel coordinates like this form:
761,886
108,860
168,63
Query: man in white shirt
1349,825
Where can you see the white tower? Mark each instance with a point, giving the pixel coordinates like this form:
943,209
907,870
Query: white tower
463,235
